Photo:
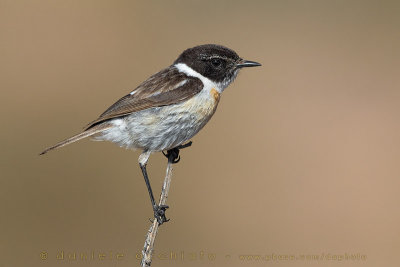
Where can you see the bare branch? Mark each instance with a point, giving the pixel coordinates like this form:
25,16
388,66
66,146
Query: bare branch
148,247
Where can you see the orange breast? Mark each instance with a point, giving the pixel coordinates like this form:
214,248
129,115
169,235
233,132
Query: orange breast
215,94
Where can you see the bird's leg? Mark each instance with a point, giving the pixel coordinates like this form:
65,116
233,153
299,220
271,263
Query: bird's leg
173,157
173,153
159,210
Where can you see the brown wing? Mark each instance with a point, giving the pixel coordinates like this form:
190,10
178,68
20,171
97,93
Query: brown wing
166,87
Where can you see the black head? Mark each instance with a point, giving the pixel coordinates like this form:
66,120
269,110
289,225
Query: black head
218,63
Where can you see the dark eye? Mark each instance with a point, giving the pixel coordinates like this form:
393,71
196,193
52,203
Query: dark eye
216,62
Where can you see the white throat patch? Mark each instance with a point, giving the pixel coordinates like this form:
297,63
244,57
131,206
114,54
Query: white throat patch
208,84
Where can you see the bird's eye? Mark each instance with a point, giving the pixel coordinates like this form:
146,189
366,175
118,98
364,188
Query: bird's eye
216,62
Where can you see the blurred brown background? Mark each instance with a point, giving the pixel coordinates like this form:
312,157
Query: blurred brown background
301,158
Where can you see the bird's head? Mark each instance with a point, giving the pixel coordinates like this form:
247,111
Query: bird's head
215,62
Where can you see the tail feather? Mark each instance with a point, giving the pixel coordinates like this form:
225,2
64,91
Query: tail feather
93,130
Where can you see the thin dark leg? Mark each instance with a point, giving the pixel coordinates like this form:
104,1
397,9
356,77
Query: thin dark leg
173,157
147,181
159,211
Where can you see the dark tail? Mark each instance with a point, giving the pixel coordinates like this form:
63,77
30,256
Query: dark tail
93,130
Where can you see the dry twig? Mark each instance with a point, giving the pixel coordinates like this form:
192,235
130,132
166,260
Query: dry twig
147,251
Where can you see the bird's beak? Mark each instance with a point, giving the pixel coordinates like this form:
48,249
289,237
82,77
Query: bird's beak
247,63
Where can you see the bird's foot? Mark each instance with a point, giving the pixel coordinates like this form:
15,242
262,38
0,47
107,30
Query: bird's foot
173,153
159,213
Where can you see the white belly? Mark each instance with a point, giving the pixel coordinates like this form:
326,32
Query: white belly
162,128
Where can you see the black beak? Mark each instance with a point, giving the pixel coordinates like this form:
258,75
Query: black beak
247,63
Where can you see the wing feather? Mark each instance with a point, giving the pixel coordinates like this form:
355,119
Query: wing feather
166,87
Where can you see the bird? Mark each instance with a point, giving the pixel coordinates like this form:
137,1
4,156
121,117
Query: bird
165,111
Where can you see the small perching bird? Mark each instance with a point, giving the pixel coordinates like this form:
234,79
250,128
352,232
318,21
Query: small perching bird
169,108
